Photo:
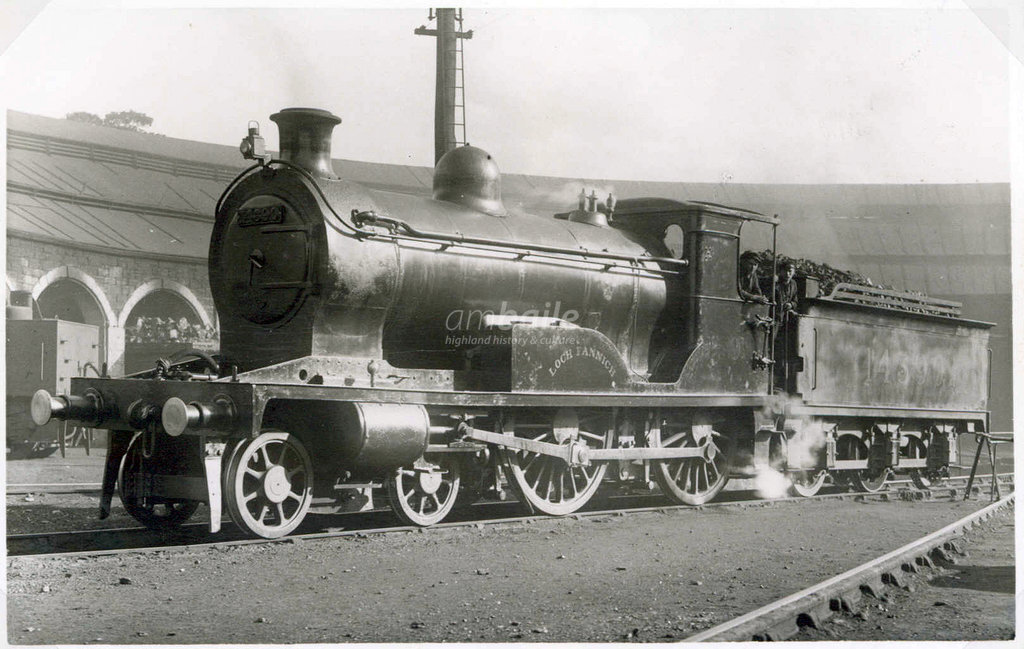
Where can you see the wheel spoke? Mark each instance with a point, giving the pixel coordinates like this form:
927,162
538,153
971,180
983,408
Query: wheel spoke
423,504
248,467
679,471
585,474
712,468
672,440
531,462
437,501
548,484
540,474
690,480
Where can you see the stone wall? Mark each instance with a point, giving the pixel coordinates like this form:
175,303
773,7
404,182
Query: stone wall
116,282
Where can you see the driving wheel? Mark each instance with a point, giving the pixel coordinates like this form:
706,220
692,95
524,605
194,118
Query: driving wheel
546,483
691,480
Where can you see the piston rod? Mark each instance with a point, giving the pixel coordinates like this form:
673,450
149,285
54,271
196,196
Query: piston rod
578,452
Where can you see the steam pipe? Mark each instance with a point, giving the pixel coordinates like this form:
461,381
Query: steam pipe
370,217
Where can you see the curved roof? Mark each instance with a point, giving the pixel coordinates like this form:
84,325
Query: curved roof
142,194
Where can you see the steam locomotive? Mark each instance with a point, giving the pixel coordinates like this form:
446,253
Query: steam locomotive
432,346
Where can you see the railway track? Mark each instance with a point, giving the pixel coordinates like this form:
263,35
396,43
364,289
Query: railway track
783,618
98,542
18,489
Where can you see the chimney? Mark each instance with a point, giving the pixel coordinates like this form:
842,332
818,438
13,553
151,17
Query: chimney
305,138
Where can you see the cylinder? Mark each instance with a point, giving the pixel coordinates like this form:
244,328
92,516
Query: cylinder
382,435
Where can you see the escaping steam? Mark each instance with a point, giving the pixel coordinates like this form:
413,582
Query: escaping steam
805,442
805,447
770,484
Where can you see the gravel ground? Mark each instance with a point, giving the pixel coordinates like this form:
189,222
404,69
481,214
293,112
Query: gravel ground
654,577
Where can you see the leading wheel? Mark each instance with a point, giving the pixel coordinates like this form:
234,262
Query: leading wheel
850,447
691,480
268,484
424,495
154,512
922,478
546,483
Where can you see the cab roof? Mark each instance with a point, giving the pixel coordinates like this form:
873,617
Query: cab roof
635,207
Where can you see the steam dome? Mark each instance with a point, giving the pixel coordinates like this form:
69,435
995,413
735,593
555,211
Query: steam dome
469,176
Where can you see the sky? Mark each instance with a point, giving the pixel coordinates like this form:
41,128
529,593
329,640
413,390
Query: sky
902,92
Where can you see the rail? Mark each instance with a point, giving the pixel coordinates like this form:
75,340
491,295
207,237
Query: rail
896,300
193,535
781,619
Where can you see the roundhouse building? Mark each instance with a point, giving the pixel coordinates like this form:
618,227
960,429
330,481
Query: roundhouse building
111,228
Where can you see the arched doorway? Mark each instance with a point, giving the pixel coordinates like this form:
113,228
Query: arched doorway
56,332
161,323
67,299
71,300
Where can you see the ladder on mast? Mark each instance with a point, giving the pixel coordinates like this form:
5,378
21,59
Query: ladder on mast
458,78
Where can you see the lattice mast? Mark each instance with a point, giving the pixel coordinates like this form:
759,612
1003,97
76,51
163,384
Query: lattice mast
450,93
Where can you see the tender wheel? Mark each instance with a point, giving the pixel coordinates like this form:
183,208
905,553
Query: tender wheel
691,480
545,483
923,478
153,512
268,484
807,483
425,495
854,448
